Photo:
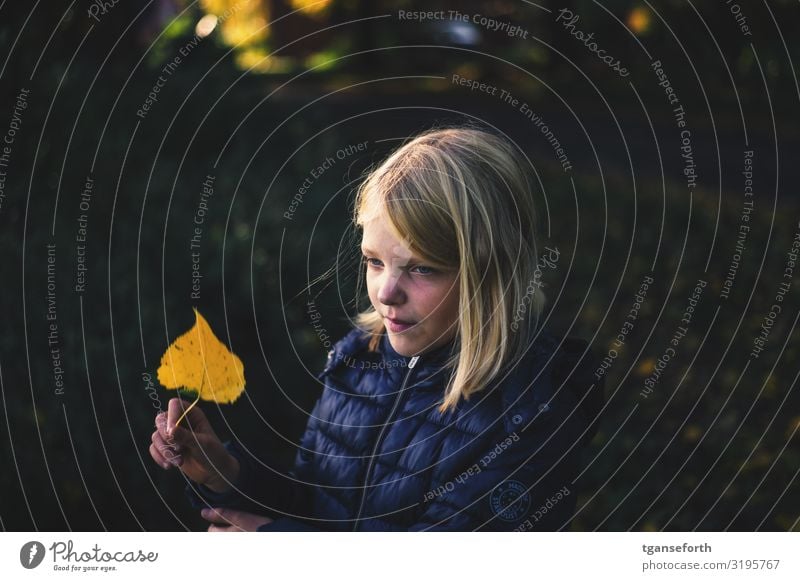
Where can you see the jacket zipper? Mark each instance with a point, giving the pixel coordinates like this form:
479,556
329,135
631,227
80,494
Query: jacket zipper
411,364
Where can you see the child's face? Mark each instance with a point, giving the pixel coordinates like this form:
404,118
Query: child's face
419,304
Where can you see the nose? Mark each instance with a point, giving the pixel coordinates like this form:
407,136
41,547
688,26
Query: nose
391,290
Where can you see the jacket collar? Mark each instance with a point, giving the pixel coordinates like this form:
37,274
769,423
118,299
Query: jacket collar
436,357
429,369
525,388
354,346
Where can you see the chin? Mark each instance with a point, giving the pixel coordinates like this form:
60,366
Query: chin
403,346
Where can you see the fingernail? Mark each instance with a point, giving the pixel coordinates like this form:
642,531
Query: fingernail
205,513
176,460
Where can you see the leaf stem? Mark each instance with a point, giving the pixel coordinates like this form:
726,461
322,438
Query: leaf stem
194,403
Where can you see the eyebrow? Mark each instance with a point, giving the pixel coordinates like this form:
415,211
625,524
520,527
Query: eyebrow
369,251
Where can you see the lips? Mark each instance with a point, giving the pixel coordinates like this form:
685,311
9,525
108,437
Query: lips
398,325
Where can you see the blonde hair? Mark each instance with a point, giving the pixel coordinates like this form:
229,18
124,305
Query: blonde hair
461,199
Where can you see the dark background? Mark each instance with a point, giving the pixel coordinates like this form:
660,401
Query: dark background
263,100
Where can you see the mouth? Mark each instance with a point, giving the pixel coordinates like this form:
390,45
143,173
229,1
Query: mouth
398,325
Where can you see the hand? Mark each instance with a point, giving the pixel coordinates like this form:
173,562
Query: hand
193,447
227,520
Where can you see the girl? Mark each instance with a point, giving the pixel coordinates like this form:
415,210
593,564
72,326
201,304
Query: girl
447,407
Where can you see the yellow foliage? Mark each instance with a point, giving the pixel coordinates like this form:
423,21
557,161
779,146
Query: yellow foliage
242,22
649,527
200,362
639,20
793,427
311,7
216,7
692,433
646,367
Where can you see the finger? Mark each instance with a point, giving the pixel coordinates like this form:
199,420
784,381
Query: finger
186,439
175,408
222,529
220,516
195,418
169,452
159,458
161,425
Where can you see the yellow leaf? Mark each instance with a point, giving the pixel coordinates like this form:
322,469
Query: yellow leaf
200,362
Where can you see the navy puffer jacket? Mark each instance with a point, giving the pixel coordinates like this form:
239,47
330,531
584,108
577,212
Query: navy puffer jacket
377,455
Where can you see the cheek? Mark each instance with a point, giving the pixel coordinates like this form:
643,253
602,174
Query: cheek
442,304
450,308
372,289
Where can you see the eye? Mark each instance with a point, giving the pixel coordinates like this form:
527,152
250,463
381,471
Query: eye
423,270
372,262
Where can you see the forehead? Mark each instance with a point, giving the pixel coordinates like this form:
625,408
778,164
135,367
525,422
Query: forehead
379,237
